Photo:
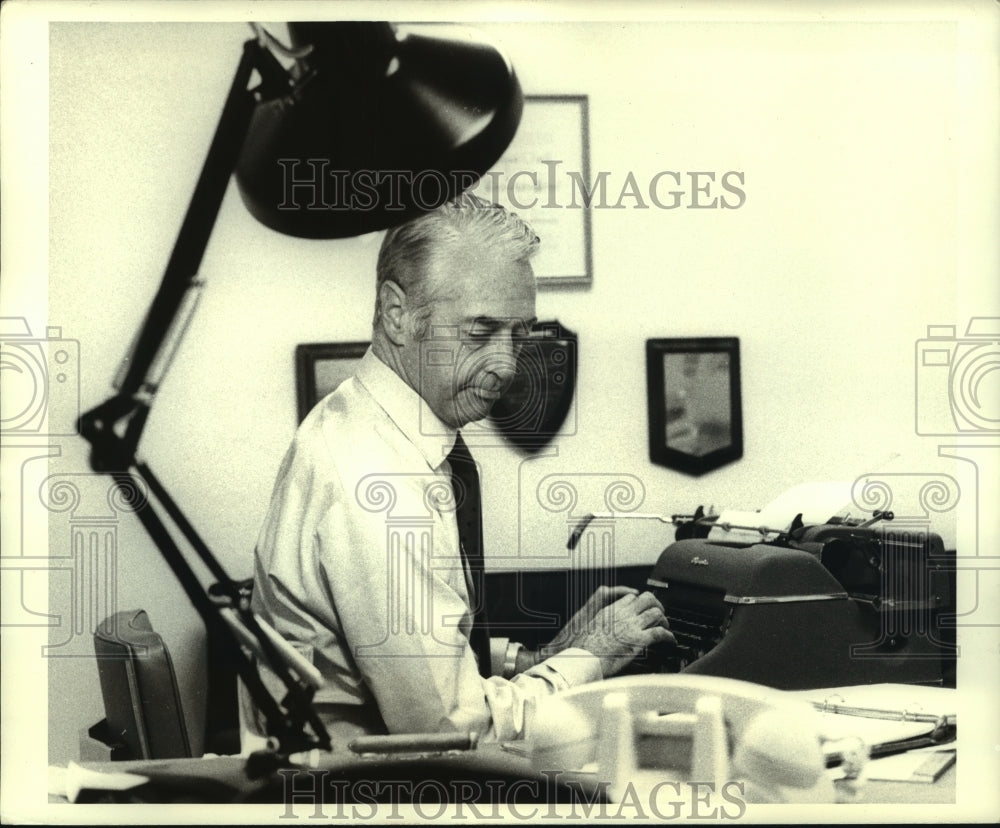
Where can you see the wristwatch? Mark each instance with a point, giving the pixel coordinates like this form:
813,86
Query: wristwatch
510,659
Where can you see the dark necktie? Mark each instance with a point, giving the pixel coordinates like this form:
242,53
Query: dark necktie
468,513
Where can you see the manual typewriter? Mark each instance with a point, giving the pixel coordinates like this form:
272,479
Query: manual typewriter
815,606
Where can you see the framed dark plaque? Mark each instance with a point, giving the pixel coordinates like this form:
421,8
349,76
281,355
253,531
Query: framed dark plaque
536,406
695,410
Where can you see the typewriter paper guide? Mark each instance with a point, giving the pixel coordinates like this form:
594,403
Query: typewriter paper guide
816,502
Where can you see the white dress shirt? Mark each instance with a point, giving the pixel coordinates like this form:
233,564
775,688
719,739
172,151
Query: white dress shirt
358,565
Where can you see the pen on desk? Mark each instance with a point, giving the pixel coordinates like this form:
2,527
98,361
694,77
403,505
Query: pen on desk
414,742
889,715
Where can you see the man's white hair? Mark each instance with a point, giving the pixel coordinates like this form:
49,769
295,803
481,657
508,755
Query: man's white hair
408,250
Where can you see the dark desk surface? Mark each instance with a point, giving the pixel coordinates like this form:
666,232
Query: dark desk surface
221,779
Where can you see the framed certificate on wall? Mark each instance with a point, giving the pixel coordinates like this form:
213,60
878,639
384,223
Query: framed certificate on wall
544,177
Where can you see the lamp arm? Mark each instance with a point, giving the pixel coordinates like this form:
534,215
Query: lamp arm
115,426
199,221
285,727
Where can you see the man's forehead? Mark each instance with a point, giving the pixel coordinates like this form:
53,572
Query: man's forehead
457,256
460,249
488,285
464,324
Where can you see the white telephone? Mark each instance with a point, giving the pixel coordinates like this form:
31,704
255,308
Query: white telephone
641,730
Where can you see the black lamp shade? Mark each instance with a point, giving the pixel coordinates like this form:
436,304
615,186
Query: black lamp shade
381,125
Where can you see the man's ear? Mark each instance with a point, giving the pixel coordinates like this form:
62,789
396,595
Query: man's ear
392,300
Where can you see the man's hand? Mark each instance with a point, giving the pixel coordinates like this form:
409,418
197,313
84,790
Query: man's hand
584,617
616,624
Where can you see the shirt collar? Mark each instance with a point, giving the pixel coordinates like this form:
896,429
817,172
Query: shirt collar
432,437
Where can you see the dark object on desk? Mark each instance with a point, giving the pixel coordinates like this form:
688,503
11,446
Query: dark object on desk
471,777
819,606
484,776
413,743
145,719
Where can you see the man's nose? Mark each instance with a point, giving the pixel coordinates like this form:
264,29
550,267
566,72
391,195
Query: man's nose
501,359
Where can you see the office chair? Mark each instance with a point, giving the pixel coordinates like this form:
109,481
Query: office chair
144,710
142,704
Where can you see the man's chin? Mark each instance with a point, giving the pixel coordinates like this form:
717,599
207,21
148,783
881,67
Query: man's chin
474,406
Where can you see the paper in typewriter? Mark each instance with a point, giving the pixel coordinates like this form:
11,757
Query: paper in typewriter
817,502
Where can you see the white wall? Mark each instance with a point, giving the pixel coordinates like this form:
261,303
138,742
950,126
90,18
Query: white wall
854,143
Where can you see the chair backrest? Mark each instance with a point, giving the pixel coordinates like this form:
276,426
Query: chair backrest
141,699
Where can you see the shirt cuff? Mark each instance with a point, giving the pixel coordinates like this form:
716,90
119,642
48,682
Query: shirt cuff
577,666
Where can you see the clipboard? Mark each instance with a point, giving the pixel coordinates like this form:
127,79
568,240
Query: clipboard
886,718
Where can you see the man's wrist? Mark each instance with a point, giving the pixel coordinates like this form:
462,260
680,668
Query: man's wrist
526,659
519,658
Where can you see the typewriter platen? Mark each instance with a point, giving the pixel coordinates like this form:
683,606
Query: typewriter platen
814,606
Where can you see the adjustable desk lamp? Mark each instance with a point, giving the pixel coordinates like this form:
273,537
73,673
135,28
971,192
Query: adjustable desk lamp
381,125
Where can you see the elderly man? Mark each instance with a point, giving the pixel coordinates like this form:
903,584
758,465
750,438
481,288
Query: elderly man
370,557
